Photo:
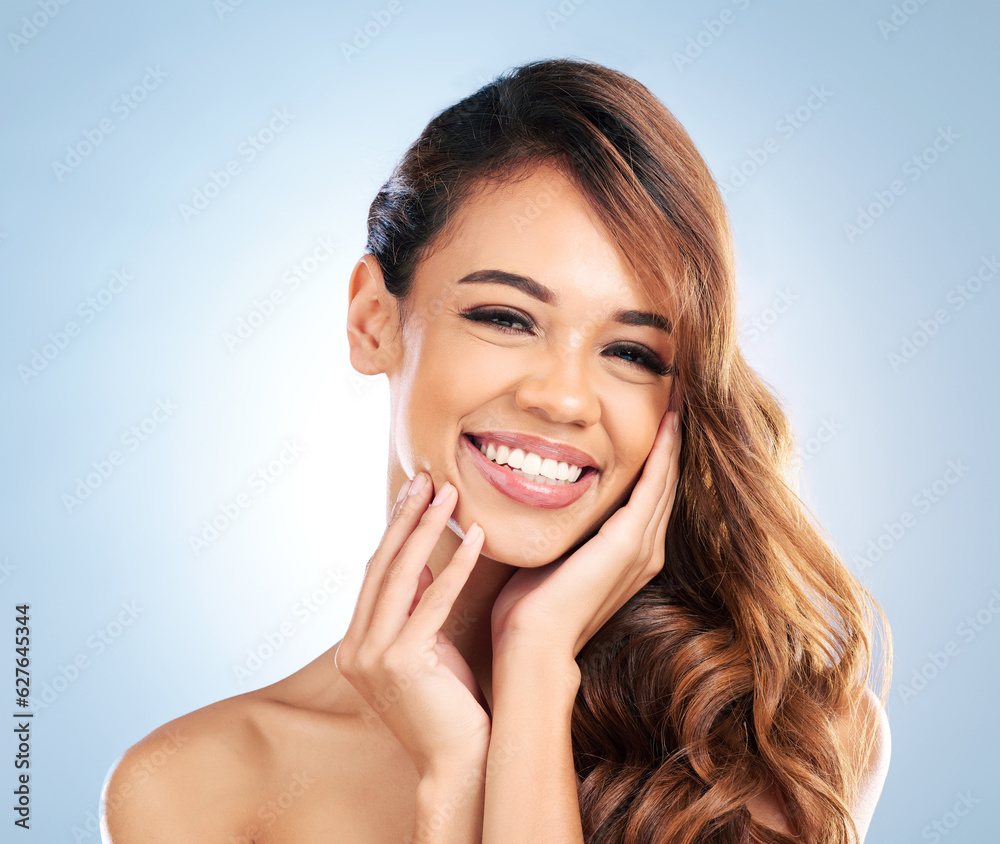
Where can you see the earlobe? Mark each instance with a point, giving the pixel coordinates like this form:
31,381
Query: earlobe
371,318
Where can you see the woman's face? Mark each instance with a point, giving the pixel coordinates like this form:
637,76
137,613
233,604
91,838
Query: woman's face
527,335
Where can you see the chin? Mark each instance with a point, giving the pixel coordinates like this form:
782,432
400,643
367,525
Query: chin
533,550
528,523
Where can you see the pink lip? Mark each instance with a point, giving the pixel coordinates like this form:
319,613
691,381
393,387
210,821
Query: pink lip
542,447
520,489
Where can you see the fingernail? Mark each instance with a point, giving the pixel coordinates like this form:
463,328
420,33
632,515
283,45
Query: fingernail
405,488
419,482
443,493
472,534
677,419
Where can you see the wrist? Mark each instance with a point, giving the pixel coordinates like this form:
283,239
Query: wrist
449,804
448,772
544,672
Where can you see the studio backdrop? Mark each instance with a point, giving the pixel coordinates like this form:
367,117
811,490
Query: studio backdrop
193,477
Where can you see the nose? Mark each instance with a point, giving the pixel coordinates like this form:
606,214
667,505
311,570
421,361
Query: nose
560,388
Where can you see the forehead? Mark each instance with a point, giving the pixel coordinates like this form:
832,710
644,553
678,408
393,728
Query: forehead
540,225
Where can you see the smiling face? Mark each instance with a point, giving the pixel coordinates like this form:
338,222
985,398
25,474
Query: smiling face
527,336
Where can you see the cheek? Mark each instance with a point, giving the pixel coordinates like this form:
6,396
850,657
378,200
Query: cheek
632,429
436,394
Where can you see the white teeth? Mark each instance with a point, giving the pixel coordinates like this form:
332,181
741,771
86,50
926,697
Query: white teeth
532,466
539,479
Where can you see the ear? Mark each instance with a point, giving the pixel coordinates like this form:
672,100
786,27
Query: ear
372,319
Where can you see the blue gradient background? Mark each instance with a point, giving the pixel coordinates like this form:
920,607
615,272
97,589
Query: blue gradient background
162,337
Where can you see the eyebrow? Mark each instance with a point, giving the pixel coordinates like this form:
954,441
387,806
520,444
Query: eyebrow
539,291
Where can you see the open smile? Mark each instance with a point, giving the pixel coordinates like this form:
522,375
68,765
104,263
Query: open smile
531,471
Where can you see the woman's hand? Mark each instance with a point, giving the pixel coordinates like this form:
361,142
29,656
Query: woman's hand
394,651
558,607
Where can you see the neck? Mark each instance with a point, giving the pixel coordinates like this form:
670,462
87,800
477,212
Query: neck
319,685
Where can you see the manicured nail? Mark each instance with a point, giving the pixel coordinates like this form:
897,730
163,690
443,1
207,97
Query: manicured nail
472,534
677,419
443,493
405,488
418,483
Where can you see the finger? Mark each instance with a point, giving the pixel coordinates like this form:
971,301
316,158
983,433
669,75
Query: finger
650,490
638,569
656,532
409,512
399,582
641,524
627,536
666,504
666,445
403,491
426,579
624,533
438,599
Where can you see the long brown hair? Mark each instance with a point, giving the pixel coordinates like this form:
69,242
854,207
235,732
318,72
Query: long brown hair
721,678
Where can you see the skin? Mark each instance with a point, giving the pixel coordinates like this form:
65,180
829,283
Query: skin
448,375
450,694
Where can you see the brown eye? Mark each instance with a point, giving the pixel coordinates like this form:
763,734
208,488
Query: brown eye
636,355
506,320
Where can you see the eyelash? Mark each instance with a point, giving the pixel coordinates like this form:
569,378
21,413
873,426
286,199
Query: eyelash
644,358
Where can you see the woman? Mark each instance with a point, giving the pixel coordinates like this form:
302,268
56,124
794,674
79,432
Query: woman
598,612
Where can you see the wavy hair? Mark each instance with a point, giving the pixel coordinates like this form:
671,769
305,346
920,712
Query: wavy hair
721,679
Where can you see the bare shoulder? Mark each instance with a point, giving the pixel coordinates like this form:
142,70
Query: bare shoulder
768,809
863,737
191,780
865,740
285,763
